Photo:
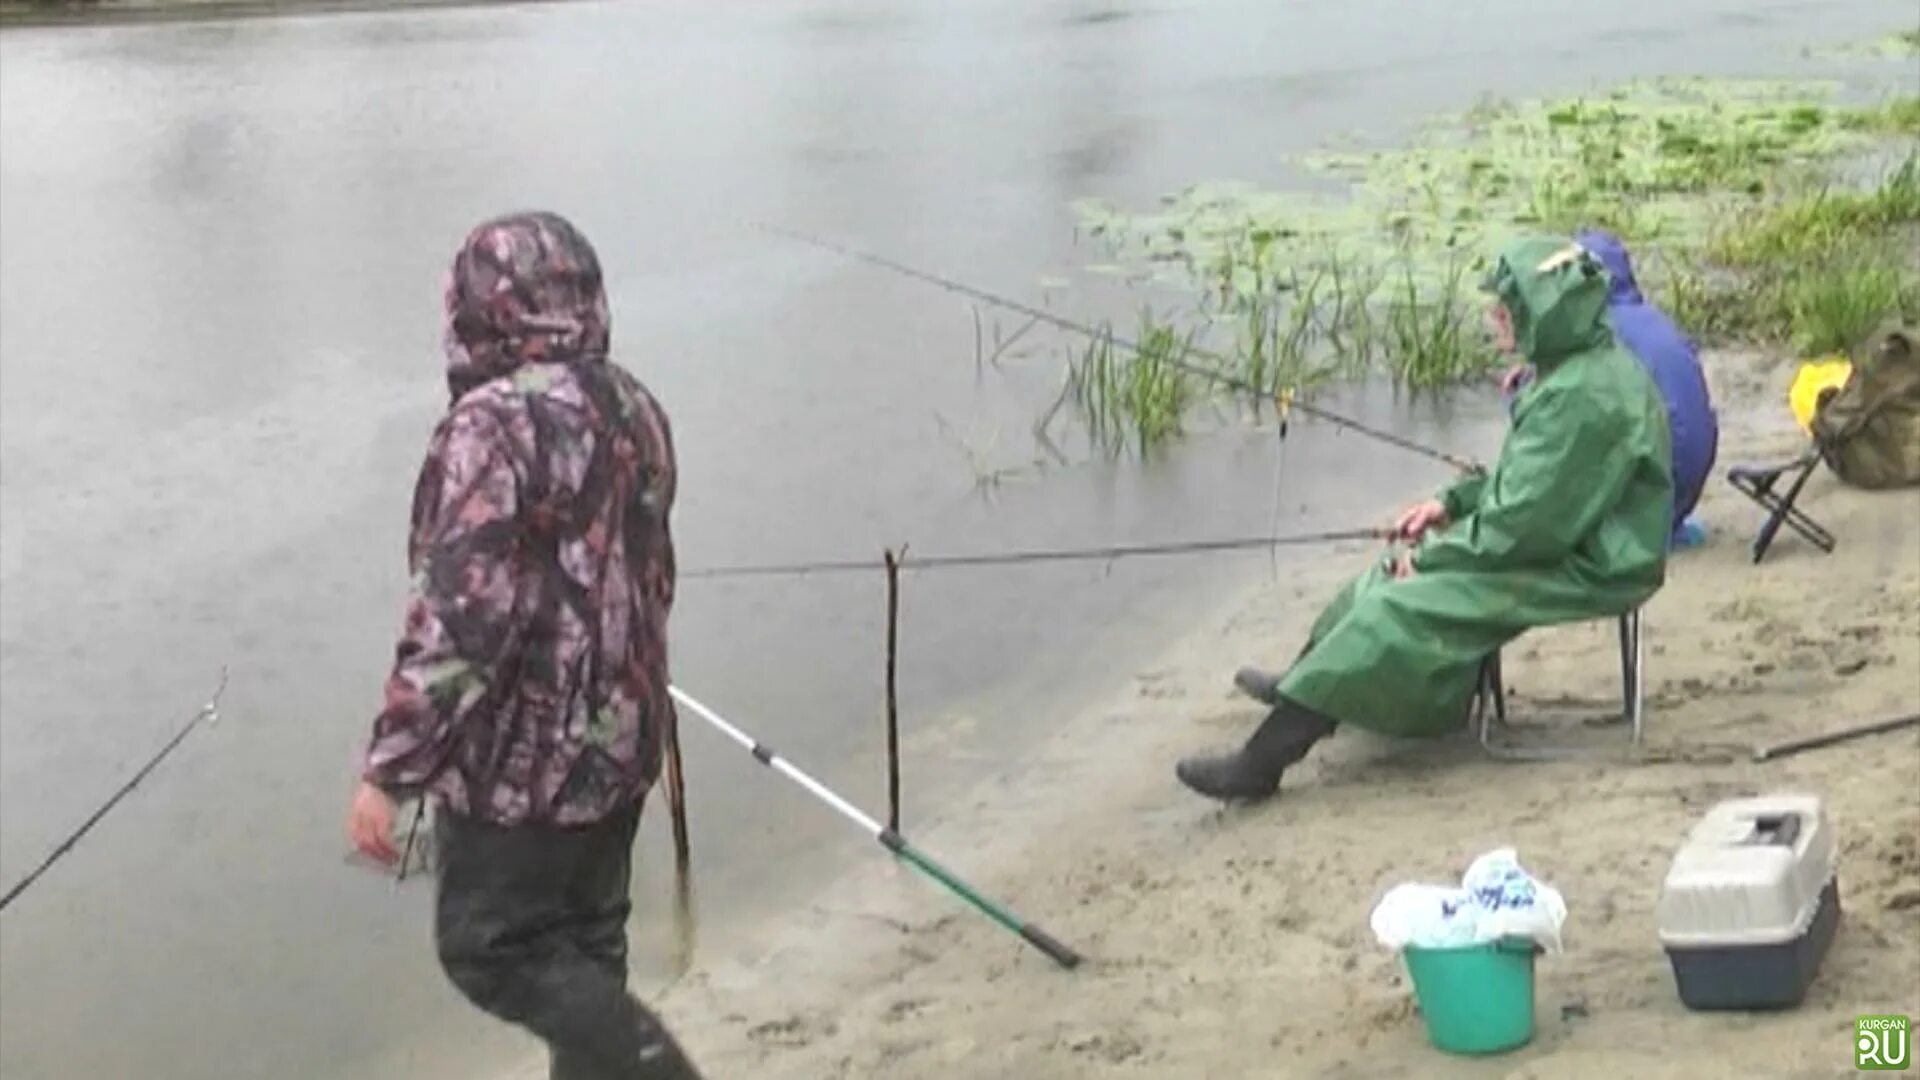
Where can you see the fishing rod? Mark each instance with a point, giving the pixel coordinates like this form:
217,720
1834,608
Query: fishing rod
888,838
209,712
1064,323
1102,554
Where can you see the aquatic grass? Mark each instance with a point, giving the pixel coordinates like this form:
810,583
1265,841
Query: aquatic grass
1158,384
1135,397
1567,206
1270,338
981,456
1651,161
1725,189
1814,226
1637,158
1899,45
1301,333
1092,388
1709,309
1293,335
1352,331
1434,339
1897,116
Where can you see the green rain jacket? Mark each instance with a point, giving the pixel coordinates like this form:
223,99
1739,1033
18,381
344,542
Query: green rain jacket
1571,523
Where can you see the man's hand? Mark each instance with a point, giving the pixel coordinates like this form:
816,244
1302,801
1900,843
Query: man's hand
370,824
1510,378
1414,522
1402,566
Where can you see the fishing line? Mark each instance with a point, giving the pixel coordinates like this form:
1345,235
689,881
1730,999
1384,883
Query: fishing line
1010,558
1042,315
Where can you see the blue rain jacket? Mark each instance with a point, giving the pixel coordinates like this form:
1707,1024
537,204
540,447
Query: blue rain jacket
1671,359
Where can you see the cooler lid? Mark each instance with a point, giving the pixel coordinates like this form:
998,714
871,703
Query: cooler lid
1750,873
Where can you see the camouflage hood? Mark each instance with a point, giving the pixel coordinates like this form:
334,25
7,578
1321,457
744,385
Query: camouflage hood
524,289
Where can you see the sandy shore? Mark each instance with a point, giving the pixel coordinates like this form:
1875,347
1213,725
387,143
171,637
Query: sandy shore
1235,943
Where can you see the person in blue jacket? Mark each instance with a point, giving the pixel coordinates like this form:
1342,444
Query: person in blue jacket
1674,364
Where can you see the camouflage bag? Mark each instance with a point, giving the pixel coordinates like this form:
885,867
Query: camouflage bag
1868,431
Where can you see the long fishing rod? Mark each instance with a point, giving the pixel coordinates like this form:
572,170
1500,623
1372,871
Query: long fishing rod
1064,323
888,838
1006,558
210,711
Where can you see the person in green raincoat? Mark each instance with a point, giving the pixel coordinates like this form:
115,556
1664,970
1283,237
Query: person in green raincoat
1570,524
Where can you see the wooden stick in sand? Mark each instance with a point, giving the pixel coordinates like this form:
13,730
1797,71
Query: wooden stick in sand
893,699
677,799
1795,746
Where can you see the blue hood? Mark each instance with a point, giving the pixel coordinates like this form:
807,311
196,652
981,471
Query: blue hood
1613,255
1671,360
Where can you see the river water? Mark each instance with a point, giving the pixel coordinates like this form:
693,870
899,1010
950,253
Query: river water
221,246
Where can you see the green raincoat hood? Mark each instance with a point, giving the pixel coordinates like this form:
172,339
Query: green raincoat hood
1557,294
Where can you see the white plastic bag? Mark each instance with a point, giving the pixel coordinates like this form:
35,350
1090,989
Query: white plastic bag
1429,916
1511,903
1497,899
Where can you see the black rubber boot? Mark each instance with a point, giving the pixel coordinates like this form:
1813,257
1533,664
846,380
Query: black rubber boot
658,1057
1262,686
661,1058
1253,772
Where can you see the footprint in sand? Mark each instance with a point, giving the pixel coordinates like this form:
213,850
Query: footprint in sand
790,1033
1745,609
1390,1014
1114,1047
905,1009
1804,660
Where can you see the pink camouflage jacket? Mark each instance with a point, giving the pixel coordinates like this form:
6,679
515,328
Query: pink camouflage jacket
530,681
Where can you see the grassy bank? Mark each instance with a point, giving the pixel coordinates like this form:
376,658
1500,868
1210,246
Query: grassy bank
1758,211
1819,270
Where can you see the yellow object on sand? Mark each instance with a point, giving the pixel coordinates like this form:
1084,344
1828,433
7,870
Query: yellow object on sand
1815,376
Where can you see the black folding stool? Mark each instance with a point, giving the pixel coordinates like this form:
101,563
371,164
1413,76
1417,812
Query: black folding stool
1490,699
1757,483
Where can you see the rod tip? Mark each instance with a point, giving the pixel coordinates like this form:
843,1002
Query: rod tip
1046,943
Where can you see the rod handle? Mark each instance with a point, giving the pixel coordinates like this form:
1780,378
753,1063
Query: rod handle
1057,952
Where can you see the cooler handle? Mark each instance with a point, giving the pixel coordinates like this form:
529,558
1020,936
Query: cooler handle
1776,830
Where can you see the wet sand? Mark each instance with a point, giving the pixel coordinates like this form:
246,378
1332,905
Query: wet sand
1235,943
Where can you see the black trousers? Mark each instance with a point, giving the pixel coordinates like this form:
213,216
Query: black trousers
531,926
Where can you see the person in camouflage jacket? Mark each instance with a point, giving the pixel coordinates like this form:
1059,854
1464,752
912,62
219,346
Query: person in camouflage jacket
528,697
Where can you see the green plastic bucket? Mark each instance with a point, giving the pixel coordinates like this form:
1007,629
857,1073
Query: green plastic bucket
1477,999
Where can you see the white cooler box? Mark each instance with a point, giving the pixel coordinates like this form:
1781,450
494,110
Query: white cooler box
1751,903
